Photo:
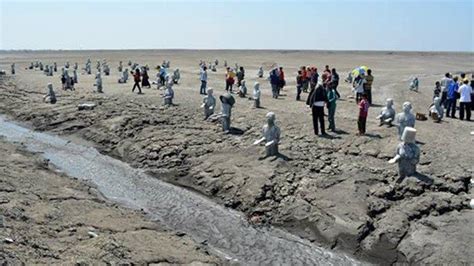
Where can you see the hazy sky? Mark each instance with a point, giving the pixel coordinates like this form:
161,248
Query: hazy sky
230,24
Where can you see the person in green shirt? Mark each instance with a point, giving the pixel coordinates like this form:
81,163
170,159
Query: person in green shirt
331,104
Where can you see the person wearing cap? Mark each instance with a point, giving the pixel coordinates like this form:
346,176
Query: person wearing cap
465,92
407,154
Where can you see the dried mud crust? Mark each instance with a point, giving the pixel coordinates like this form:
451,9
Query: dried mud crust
48,218
337,191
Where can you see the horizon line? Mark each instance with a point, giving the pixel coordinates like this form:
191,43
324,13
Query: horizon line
230,49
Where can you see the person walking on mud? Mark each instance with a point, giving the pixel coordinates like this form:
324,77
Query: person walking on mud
136,79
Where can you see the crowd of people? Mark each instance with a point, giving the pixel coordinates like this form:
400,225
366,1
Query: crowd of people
451,89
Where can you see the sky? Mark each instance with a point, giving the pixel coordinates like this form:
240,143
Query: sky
421,25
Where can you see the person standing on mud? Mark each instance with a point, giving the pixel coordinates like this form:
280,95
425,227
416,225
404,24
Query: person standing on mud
313,77
274,82
363,113
203,78
299,85
445,83
136,79
282,81
145,78
465,100
335,81
316,100
332,98
240,76
369,79
229,80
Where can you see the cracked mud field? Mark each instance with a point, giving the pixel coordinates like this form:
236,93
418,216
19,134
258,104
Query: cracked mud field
338,191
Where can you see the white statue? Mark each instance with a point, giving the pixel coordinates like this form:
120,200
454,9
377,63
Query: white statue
50,97
256,94
414,84
208,103
124,77
260,72
405,119
242,89
227,101
120,67
176,76
169,94
408,154
387,114
271,136
98,82
436,111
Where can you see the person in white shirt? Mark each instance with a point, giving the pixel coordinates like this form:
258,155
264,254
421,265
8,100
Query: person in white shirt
358,87
465,100
445,83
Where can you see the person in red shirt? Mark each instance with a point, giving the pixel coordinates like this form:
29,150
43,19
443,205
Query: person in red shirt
363,113
282,81
136,79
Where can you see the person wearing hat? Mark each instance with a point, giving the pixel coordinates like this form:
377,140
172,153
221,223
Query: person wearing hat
465,92
408,154
227,101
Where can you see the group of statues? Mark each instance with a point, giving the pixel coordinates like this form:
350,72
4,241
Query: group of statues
407,152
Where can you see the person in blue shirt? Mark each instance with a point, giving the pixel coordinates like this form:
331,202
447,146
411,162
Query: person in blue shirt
451,98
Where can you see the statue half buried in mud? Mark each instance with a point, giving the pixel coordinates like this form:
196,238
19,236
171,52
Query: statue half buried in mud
256,95
271,135
209,104
435,111
98,82
408,154
168,96
50,97
227,101
387,114
405,119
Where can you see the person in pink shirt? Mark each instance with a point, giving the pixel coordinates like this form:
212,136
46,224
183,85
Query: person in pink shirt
363,113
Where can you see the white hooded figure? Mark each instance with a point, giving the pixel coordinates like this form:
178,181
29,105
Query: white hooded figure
168,96
98,82
50,97
176,76
414,84
271,135
227,101
124,77
209,103
405,119
387,114
242,89
74,75
256,94
436,111
260,72
408,154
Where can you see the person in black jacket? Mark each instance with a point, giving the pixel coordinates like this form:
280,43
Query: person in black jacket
316,100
